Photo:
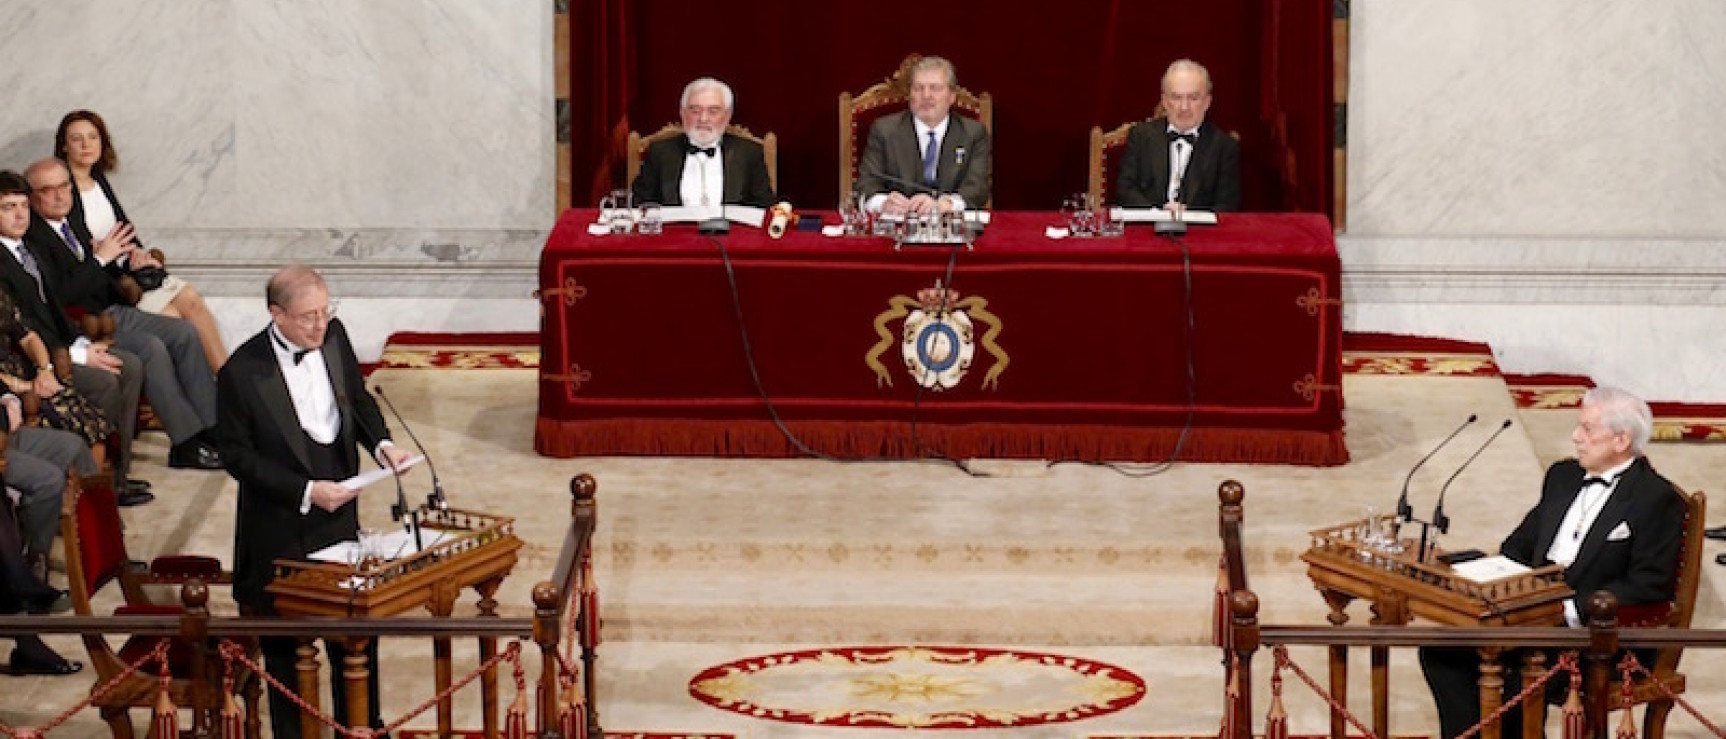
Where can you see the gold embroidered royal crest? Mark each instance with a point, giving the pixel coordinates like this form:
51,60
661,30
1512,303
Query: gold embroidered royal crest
937,340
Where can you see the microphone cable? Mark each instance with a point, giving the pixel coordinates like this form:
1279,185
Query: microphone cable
1151,469
773,410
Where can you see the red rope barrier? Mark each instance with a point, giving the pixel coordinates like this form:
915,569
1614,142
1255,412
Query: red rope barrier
159,653
1631,665
1566,663
236,652
1282,660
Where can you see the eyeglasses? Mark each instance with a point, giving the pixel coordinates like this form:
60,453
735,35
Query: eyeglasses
313,318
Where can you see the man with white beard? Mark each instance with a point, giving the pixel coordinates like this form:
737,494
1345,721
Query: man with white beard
705,166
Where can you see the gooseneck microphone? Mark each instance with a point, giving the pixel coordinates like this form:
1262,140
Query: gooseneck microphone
436,498
1441,521
1404,513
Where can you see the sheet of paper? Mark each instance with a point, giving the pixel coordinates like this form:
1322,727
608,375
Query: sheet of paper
1488,569
746,215
363,479
394,545
1154,215
689,213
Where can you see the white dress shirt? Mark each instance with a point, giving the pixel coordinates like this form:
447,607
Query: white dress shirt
703,180
99,214
1578,520
1180,155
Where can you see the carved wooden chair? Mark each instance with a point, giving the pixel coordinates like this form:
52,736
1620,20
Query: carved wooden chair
638,148
96,556
1676,614
858,112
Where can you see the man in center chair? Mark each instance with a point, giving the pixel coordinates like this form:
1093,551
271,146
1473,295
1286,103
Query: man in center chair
681,170
1181,160
925,160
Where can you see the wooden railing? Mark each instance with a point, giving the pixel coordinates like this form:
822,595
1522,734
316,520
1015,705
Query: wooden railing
560,603
1598,643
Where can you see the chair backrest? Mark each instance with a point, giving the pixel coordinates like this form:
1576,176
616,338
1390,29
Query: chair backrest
1689,576
95,544
638,148
858,112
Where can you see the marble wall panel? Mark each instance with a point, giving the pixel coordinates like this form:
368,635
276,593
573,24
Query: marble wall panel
1537,117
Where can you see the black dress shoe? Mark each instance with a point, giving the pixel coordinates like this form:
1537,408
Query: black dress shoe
195,455
128,498
1720,559
137,484
50,664
1718,532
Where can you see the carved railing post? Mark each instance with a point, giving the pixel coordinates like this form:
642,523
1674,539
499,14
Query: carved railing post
584,507
195,630
1244,606
545,634
1598,663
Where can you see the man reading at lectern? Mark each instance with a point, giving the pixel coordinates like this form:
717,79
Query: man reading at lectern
292,414
925,160
704,166
1613,523
1181,161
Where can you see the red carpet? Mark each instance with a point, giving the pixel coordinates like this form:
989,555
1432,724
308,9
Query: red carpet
477,734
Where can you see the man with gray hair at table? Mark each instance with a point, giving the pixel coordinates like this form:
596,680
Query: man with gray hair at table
706,165
926,160
1608,518
1180,160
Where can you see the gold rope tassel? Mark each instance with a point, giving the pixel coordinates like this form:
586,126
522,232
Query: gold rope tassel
1575,721
1220,606
1277,720
167,722
515,719
1231,695
1626,726
233,719
572,709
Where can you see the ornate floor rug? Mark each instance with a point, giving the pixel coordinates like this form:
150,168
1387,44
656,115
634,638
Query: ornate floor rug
411,733
920,687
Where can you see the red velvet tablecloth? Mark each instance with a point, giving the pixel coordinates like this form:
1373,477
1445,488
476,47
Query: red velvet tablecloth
1079,345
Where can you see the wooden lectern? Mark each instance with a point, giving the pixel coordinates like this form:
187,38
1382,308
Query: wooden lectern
1343,566
479,551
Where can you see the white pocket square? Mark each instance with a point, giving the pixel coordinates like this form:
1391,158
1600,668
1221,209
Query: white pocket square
1619,532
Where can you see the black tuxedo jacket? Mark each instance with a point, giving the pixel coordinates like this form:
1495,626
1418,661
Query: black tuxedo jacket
1213,177
746,180
48,319
264,448
79,279
894,151
1640,568
77,216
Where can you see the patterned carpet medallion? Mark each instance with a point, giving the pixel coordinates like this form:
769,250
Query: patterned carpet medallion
918,687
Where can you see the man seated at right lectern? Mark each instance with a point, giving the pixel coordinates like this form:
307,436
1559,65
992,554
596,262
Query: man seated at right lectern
1613,523
926,160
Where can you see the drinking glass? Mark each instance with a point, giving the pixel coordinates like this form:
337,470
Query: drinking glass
650,223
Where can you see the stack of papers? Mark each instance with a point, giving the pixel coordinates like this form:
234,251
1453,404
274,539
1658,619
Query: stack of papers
393,545
1488,569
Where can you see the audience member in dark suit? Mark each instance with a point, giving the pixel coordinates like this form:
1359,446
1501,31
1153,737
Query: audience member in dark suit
82,142
21,590
680,170
925,160
1613,523
294,413
181,387
109,376
1211,176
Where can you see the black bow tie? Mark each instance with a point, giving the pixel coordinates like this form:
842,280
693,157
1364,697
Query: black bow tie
299,354
1587,481
1190,138
710,151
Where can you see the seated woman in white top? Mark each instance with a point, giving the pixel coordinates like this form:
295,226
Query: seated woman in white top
82,142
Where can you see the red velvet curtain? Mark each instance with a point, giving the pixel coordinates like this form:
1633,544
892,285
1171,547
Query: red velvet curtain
1055,71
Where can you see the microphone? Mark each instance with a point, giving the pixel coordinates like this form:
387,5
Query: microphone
400,511
1403,512
914,185
436,498
1441,521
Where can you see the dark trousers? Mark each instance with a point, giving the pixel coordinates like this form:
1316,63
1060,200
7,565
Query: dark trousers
1453,674
281,659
